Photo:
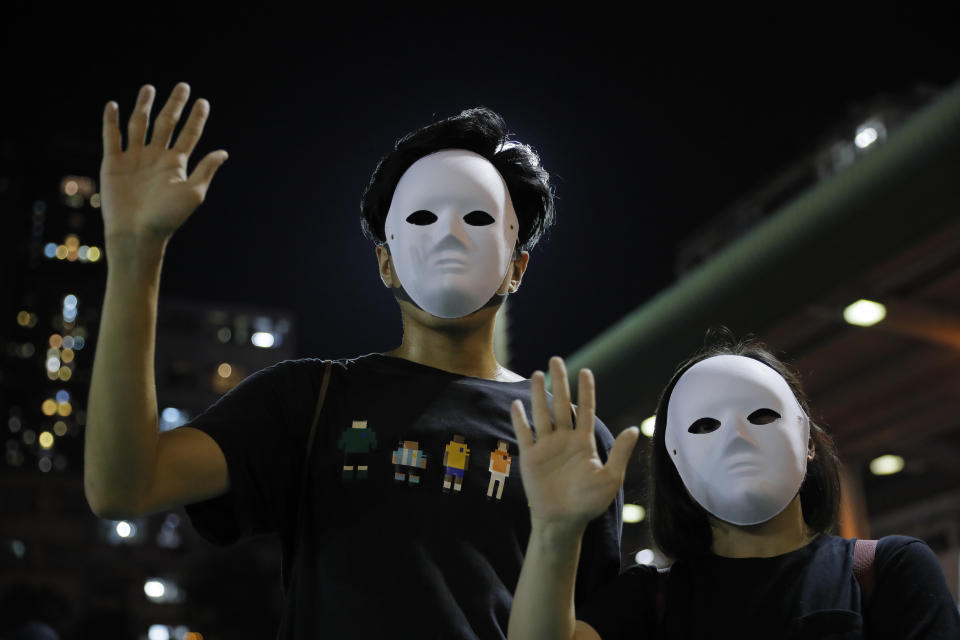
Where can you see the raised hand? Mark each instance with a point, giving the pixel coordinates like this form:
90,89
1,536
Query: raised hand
146,190
565,480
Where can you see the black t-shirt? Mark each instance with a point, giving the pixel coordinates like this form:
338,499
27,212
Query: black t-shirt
808,593
375,552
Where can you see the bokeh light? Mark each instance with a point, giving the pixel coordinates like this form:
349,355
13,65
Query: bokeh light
645,556
648,426
262,339
864,313
154,588
45,439
886,465
633,513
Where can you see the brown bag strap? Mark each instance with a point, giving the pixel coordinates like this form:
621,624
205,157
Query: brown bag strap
864,552
316,414
661,595
288,566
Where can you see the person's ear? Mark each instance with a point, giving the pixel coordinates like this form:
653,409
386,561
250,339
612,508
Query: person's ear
518,266
386,266
811,450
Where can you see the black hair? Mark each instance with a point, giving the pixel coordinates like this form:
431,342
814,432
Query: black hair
485,133
679,525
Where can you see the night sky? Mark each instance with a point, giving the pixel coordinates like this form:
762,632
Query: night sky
647,130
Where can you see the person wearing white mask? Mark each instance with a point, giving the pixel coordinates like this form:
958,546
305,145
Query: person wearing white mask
745,491
305,449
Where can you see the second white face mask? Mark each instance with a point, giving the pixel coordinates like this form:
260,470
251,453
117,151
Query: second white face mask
738,438
451,229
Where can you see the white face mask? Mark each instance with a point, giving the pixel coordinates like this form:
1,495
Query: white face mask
738,438
451,230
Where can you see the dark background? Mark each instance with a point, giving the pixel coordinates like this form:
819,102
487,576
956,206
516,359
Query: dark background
650,127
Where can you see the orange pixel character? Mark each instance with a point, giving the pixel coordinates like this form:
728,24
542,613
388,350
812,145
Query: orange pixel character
499,468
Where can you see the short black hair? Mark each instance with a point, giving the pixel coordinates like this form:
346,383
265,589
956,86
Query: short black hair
485,133
679,525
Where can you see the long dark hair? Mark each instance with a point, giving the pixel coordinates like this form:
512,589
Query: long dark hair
679,525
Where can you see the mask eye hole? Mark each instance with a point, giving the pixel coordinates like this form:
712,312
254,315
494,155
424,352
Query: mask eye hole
478,218
422,217
704,425
763,416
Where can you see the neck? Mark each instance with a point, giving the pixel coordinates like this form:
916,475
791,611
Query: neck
458,345
782,534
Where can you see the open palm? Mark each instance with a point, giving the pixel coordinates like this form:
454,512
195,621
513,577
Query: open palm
563,475
145,188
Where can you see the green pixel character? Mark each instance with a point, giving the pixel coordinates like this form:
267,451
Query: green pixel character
356,443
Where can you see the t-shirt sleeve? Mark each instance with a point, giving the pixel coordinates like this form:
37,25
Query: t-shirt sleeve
910,598
600,550
261,426
624,607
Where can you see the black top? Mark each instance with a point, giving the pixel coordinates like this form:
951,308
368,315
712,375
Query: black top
390,551
808,593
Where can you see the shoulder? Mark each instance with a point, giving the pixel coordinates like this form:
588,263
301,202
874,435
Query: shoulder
903,555
911,598
896,549
299,367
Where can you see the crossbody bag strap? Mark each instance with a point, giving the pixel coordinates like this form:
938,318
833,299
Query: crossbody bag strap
289,555
316,414
661,596
864,552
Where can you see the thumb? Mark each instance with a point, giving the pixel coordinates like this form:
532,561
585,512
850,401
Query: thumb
204,171
621,450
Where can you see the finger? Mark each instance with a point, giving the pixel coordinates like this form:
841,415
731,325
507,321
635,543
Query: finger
193,129
620,452
538,403
137,125
112,141
520,426
586,403
561,394
204,171
169,116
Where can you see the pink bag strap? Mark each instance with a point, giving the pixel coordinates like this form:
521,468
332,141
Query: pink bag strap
864,552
